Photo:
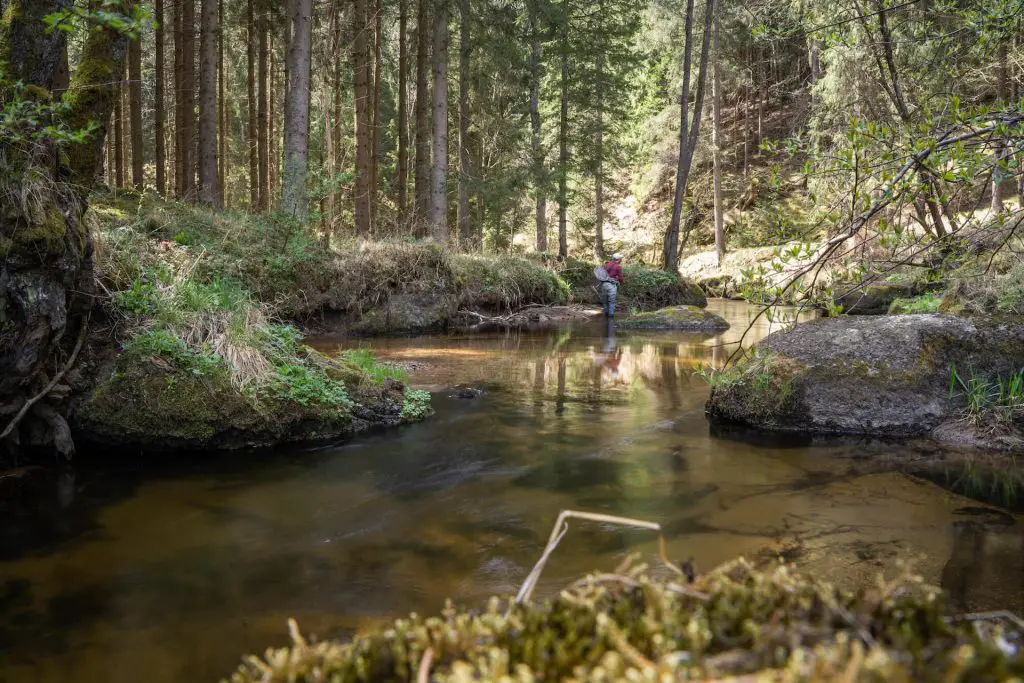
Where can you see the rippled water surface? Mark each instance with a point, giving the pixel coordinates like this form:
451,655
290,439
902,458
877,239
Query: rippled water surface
168,571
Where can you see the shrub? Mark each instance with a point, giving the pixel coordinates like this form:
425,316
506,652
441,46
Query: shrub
926,303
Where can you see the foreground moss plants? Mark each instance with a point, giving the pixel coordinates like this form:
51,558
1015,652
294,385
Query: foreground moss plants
637,624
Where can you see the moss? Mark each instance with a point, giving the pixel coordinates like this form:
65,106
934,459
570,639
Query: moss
760,389
89,95
6,246
47,234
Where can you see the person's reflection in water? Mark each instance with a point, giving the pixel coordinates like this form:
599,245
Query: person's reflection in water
611,353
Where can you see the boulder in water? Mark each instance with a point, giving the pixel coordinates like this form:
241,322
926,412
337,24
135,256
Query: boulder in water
884,375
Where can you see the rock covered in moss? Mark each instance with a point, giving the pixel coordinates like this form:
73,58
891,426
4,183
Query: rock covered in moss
885,375
681,318
157,403
735,621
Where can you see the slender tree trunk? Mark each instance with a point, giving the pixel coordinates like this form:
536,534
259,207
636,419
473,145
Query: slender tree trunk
375,127
599,146
439,172
222,157
716,140
294,200
188,90
263,113
403,112
119,134
159,100
687,134
465,234
135,107
422,115
539,179
179,99
563,143
209,191
336,170
361,73
253,127
273,166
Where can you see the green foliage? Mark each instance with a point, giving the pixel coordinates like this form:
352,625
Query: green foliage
28,116
140,300
995,403
928,302
416,405
162,343
308,386
365,360
506,282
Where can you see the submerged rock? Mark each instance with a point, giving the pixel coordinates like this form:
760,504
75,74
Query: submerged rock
886,375
682,318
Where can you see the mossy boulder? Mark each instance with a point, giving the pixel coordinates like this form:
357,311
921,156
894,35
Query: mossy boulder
681,318
884,376
151,403
875,299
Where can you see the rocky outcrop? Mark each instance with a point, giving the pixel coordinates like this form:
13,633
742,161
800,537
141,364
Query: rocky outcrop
679,318
885,376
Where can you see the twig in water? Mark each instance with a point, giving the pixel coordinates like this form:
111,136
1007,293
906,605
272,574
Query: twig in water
423,674
562,527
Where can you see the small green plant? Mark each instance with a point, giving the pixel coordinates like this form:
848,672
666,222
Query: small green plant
141,300
378,372
996,403
925,303
416,405
164,344
307,386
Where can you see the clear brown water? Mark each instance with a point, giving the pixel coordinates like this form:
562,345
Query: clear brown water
169,571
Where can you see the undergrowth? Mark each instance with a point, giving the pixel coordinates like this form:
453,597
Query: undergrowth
376,371
929,302
996,404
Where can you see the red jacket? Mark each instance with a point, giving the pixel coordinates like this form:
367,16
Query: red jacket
614,270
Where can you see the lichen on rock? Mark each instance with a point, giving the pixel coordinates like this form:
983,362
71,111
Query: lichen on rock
681,318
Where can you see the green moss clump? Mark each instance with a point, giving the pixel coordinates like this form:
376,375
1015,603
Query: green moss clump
760,388
735,621
47,233
676,318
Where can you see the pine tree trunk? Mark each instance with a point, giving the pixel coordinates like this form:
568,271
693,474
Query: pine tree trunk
135,107
263,113
159,101
253,127
422,115
403,112
188,92
361,76
337,169
222,104
272,146
716,151
465,234
119,134
539,180
294,200
599,146
439,172
209,191
563,146
375,126
179,99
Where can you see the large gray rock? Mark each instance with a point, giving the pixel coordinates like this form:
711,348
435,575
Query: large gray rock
887,375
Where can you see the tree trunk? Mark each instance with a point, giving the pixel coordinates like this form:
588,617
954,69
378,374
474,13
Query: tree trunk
361,74
465,234
159,101
294,200
539,179
403,112
599,146
563,144
179,99
263,114
687,133
253,128
274,160
375,125
119,134
222,105
188,93
135,109
422,114
439,172
46,274
716,139
209,192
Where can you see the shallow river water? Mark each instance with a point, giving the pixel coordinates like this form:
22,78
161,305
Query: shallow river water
168,571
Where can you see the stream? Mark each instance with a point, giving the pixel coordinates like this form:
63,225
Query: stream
168,570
